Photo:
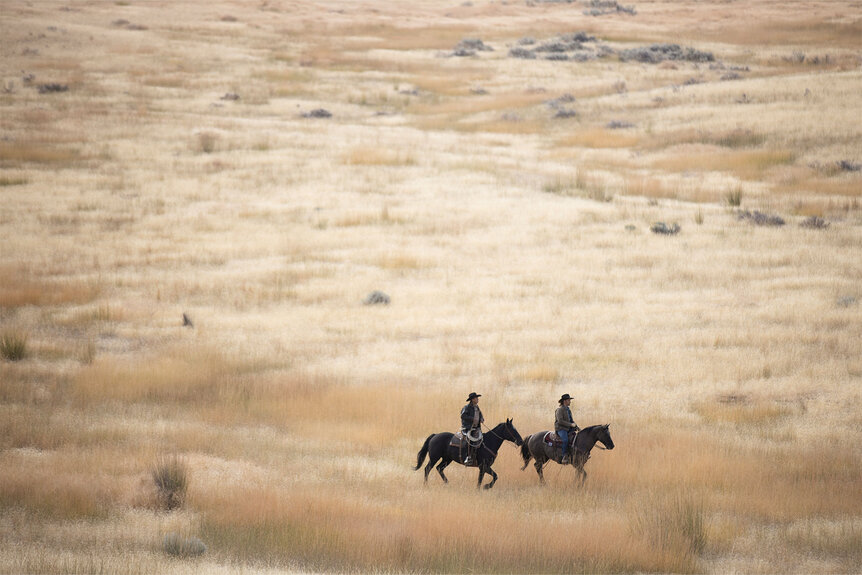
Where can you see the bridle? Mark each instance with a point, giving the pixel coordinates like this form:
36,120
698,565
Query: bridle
502,439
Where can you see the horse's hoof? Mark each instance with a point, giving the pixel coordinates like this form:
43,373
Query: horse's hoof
489,486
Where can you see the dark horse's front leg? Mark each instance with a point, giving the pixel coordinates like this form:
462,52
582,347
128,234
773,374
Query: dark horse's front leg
485,468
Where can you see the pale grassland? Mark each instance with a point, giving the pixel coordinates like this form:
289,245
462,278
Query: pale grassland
516,249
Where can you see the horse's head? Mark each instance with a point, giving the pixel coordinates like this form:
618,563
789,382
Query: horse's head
604,435
513,434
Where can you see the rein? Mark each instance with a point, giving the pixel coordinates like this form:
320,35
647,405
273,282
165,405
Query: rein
494,433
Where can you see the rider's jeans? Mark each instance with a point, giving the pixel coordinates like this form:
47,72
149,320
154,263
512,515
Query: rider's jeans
564,435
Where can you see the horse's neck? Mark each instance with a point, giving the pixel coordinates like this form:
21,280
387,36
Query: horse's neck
586,439
494,438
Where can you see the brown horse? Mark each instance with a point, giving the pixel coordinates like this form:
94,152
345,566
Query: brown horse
535,447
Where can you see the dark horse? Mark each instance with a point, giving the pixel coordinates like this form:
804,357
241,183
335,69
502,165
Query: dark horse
437,447
535,446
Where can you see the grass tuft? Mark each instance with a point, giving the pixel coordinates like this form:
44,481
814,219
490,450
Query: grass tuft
733,198
171,477
13,345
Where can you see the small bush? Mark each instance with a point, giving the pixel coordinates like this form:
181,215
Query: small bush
376,298
849,166
664,229
170,474
814,223
52,88
657,53
759,218
522,53
317,113
176,545
13,345
603,7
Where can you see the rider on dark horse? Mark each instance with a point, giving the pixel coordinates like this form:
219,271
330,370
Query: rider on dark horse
471,422
563,424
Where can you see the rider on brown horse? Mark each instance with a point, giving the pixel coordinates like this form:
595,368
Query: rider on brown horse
564,423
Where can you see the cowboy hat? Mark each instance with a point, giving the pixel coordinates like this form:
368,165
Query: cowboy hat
472,395
565,397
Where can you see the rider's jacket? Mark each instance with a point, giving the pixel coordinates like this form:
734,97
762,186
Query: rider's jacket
471,416
563,419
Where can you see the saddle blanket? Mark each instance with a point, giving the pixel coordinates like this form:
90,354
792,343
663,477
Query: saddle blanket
552,439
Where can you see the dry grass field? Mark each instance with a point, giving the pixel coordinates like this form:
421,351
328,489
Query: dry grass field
263,166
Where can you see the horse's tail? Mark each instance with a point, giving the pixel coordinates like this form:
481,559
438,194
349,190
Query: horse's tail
525,452
420,457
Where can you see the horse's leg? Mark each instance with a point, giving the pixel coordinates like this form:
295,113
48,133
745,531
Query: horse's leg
583,474
430,466
494,480
446,461
538,465
481,475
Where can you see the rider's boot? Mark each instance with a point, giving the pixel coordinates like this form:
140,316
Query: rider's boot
566,458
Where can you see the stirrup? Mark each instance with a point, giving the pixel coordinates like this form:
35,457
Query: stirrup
566,459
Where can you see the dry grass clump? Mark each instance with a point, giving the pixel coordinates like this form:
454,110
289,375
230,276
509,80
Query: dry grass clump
171,477
13,345
733,198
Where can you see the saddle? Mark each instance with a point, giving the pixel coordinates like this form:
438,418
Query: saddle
460,439
467,444
551,439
